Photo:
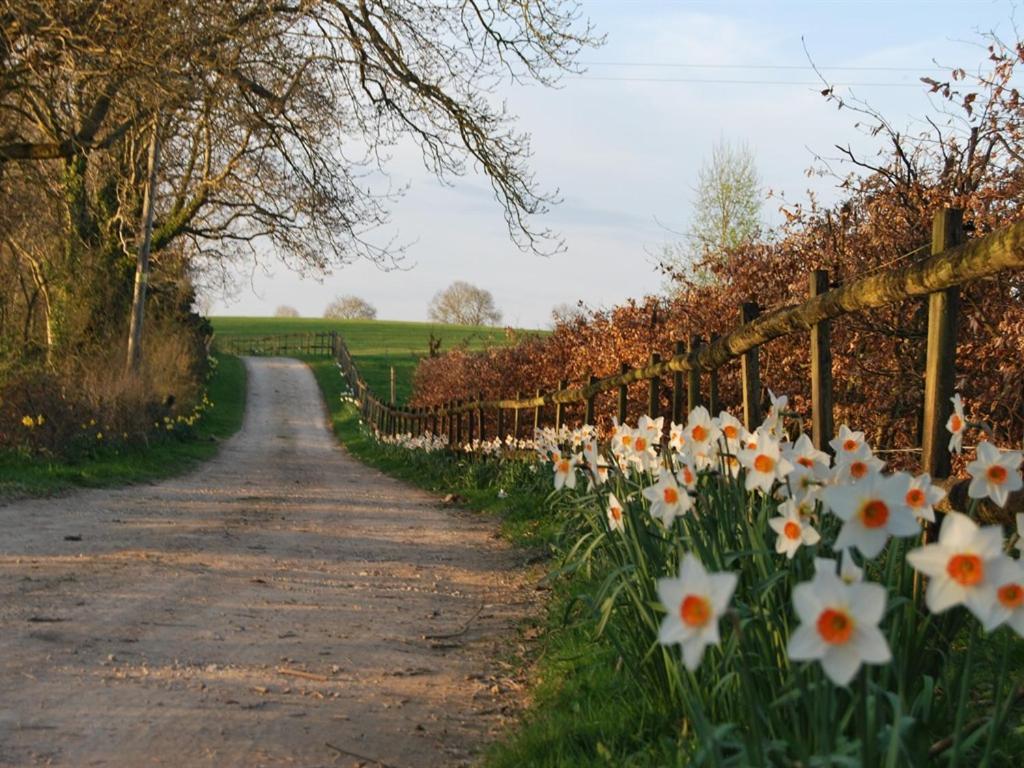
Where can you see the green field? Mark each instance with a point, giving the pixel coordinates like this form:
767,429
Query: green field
376,345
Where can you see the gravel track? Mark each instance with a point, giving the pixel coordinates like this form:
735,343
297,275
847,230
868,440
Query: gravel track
283,605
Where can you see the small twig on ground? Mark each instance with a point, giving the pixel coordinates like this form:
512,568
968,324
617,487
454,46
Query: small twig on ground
357,756
943,744
465,628
303,674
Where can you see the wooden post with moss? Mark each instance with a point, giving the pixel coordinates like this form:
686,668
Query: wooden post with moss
623,395
480,416
940,368
589,415
751,375
654,390
678,348
692,380
536,413
560,407
713,404
515,418
822,425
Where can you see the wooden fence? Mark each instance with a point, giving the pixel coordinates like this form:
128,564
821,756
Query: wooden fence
320,343
953,261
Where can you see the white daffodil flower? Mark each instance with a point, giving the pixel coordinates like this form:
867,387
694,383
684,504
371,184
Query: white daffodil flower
667,500
701,433
872,510
616,515
956,424
839,625
995,474
792,529
694,602
803,453
855,465
920,495
847,441
1007,577
764,463
959,565
565,472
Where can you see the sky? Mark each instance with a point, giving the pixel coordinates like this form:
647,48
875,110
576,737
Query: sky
623,144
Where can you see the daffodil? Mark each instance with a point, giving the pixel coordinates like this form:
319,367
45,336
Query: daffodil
774,421
838,625
956,424
565,472
847,441
764,463
616,517
871,510
1008,608
694,602
803,453
701,434
685,472
994,474
28,421
855,465
668,501
793,531
921,495
959,565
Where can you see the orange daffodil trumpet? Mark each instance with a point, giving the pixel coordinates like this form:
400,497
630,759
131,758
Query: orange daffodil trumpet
616,514
693,603
838,624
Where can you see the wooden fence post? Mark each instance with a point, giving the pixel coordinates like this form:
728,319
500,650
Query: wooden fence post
589,416
458,424
392,385
536,414
515,418
940,369
693,378
822,426
677,386
751,375
470,426
480,415
654,390
623,395
433,420
560,407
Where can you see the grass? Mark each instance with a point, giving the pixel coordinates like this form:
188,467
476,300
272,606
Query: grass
32,476
376,345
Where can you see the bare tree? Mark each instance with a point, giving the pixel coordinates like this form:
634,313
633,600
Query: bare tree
285,311
269,116
350,308
462,303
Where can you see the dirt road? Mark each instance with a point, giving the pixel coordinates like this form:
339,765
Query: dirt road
284,605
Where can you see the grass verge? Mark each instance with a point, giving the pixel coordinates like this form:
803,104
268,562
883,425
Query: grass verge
32,476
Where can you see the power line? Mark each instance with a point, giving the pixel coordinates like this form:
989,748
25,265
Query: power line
719,81
802,67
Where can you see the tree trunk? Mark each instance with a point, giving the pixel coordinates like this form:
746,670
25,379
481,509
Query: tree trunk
142,261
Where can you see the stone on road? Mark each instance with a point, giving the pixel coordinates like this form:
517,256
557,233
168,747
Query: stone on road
283,605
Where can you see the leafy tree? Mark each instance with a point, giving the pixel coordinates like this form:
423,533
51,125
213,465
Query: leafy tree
462,303
285,311
726,213
350,308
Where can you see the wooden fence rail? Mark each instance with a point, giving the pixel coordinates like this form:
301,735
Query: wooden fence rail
953,262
